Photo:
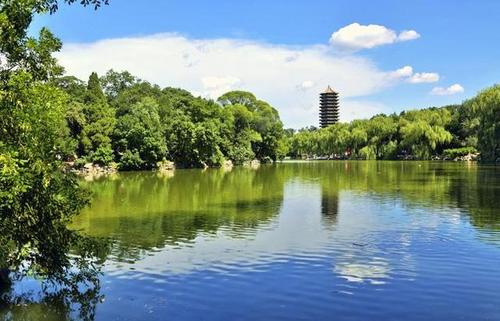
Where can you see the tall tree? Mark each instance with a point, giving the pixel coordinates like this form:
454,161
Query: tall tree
115,82
487,106
139,137
258,129
99,123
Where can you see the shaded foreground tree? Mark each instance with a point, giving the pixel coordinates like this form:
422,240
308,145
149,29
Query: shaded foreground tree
37,197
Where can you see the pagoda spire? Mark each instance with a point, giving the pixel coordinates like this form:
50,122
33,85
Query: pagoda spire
328,107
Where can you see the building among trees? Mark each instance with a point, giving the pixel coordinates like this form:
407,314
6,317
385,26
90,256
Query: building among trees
328,107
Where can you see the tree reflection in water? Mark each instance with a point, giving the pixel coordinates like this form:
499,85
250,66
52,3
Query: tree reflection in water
142,214
329,208
144,211
49,304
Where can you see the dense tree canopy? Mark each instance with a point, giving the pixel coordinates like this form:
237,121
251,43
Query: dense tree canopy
138,125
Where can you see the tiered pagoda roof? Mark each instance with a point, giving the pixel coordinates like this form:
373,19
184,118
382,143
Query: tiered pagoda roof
328,107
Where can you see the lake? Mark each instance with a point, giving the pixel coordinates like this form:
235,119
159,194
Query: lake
341,240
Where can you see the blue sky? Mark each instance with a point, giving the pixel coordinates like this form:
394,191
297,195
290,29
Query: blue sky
285,53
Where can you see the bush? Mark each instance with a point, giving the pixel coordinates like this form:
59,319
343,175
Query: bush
459,152
80,162
240,154
389,150
367,153
102,156
130,161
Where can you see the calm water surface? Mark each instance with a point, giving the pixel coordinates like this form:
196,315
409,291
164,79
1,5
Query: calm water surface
294,241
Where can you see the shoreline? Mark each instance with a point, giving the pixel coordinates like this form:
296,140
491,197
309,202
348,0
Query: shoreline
105,172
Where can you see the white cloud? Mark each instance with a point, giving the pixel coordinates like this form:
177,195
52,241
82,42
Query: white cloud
452,90
424,77
307,84
214,87
359,109
407,35
212,66
356,36
404,72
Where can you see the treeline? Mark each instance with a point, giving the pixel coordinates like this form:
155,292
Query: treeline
119,118
446,132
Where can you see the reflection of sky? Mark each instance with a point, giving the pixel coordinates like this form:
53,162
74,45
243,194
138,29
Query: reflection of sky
371,240
374,271
354,254
296,229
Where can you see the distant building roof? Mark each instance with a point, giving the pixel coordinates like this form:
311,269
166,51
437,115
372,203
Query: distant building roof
329,90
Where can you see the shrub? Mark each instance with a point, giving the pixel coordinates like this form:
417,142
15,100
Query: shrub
131,161
458,152
102,156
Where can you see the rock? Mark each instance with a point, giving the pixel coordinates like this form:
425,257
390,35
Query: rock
92,171
165,166
268,160
467,158
252,164
228,164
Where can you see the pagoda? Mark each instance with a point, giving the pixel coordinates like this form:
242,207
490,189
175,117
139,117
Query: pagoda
328,107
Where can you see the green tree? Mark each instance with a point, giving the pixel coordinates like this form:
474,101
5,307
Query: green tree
358,137
207,144
180,139
336,140
422,138
99,124
381,131
115,82
487,108
194,144
258,130
268,124
238,97
463,125
242,134
73,86
139,133
37,198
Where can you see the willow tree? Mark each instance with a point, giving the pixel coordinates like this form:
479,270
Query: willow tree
337,139
422,138
487,108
